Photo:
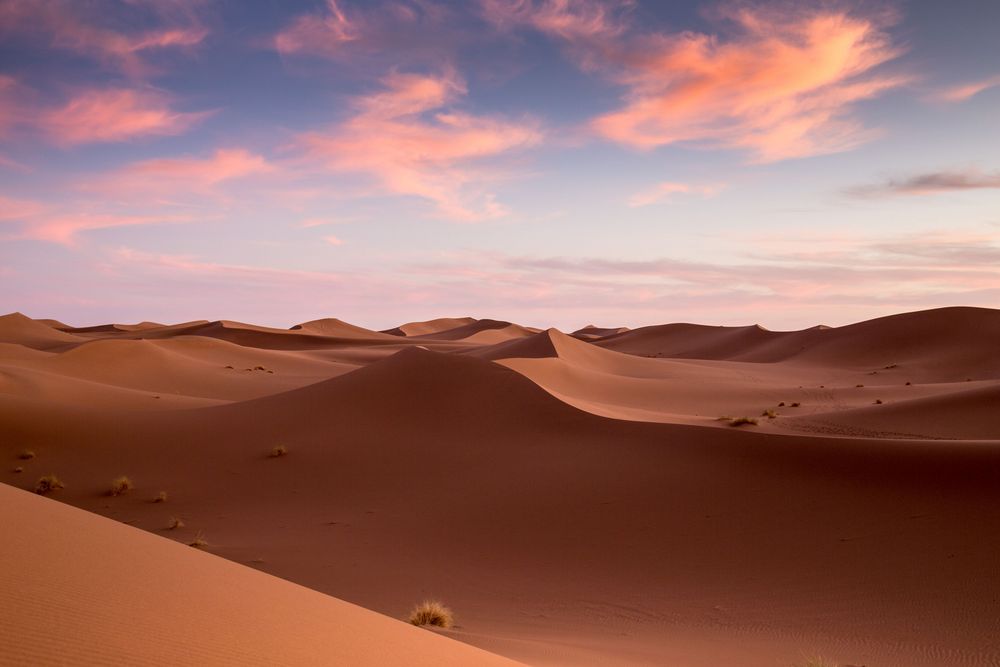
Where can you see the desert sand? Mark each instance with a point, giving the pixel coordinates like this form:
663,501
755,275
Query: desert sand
577,499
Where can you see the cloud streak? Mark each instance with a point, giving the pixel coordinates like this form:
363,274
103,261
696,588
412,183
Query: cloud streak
409,137
930,183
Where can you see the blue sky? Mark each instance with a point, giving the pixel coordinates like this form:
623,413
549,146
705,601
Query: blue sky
551,162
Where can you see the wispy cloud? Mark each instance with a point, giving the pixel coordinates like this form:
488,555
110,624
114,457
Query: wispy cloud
965,91
109,115
75,27
412,140
666,189
782,83
931,183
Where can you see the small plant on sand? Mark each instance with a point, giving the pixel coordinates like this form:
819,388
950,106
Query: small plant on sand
858,386
908,383
724,418
199,541
175,523
18,469
120,486
769,413
26,455
278,450
781,404
742,421
47,484
432,612
161,497
795,405
878,401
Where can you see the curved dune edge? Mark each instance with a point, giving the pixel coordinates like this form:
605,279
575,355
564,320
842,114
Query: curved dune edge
129,597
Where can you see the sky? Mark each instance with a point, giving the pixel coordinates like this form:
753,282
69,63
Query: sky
548,162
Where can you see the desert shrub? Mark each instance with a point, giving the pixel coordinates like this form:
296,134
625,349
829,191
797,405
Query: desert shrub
120,486
769,413
48,484
432,612
858,386
878,401
18,469
741,421
26,455
278,450
175,523
161,497
781,404
199,541
795,404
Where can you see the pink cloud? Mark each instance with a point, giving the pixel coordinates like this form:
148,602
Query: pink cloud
60,227
569,19
333,240
322,33
412,142
175,179
114,115
962,92
72,28
931,183
781,85
664,190
19,209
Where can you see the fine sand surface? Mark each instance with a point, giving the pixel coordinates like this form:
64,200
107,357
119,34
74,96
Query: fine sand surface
576,499
76,589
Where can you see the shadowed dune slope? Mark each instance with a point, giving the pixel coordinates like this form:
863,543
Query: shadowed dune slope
128,597
958,340
334,328
430,326
969,414
484,332
21,330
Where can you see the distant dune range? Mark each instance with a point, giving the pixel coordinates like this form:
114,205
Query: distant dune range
575,498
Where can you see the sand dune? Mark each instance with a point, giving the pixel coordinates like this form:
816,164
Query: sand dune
575,504
430,326
21,330
482,332
128,597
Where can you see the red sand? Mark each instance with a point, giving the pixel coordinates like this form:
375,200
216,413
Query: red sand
575,499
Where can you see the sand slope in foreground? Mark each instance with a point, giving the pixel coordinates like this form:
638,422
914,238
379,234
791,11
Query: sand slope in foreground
128,597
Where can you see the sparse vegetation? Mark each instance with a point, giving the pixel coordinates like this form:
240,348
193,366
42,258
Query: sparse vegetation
48,484
908,383
199,541
741,421
175,523
432,612
161,497
121,485
781,404
18,469
769,413
278,450
878,401
858,386
795,404
26,455
724,418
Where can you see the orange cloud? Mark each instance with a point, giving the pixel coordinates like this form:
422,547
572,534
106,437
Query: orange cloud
965,91
782,85
664,190
114,115
67,28
408,139
569,19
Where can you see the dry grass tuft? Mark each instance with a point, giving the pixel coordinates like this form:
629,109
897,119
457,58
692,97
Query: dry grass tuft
769,413
48,484
18,469
878,401
795,404
26,455
161,497
121,486
432,612
278,450
199,541
858,386
741,421
175,523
